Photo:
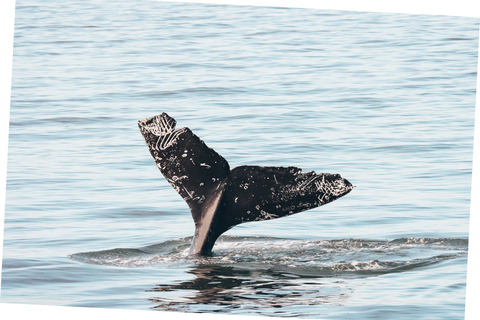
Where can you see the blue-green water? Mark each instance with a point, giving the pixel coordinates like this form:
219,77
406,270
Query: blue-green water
386,100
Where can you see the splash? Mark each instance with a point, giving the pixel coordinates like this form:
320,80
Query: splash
313,258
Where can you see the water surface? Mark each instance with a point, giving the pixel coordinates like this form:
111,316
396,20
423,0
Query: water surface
386,100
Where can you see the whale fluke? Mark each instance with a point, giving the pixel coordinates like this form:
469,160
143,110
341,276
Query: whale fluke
220,198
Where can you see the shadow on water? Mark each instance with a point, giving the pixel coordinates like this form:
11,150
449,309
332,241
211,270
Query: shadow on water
253,273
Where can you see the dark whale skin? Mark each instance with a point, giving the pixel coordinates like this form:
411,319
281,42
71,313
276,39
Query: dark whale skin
220,198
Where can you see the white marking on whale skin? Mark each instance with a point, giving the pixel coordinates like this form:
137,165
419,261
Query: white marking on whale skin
328,189
307,182
165,124
266,216
205,165
169,139
190,193
175,178
164,128
159,126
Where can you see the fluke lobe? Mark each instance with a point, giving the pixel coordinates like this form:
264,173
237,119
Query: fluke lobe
220,198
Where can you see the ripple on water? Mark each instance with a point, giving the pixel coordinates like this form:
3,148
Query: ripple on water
302,258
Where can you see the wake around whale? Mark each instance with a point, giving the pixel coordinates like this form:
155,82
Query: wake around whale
220,198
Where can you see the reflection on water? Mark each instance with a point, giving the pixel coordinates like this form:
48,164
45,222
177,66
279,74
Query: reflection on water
220,288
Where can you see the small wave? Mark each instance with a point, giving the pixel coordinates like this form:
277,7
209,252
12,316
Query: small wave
435,241
64,120
157,254
311,258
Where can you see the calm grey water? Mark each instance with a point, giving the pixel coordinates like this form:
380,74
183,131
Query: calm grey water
386,100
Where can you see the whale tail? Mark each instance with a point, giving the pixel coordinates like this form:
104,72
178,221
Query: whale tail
220,198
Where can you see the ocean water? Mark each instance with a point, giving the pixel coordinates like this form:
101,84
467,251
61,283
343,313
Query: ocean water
386,100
